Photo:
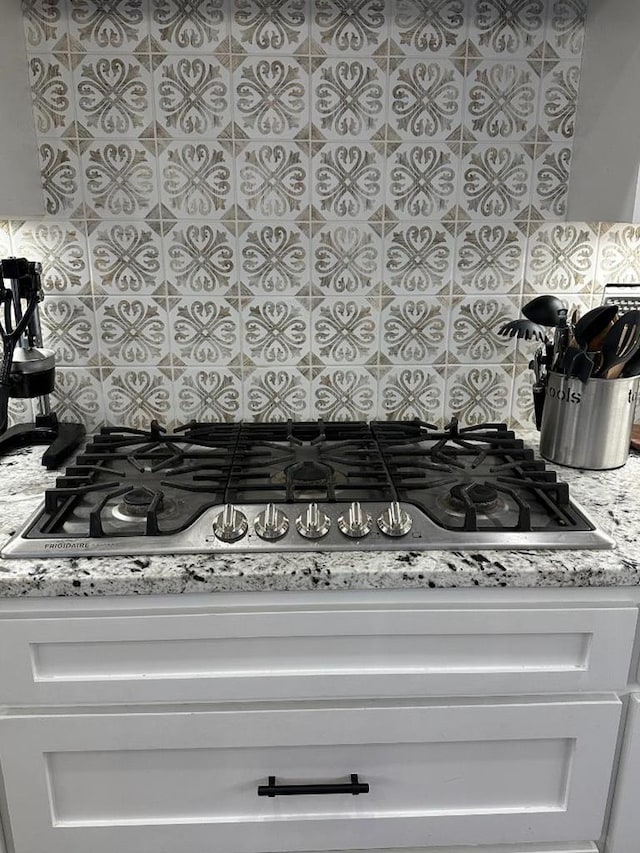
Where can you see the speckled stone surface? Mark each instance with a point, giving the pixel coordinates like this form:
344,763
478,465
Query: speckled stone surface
612,499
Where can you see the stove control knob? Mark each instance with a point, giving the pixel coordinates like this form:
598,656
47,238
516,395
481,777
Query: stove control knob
231,524
272,523
354,522
313,523
395,521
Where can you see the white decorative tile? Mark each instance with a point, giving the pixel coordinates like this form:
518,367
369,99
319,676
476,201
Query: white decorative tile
52,94
62,178
415,330
346,330
522,412
126,258
438,27
347,259
348,180
120,179
561,258
276,394
61,248
69,328
134,331
344,394
413,392
193,96
271,97
270,28
490,258
273,259
111,26
134,396
45,23
496,181
273,180
516,29
480,393
195,26
207,394
196,179
78,396
275,331
114,95
422,180
200,257
619,255
348,98
425,99
501,100
566,26
205,331
419,258
550,182
558,102
353,27
473,330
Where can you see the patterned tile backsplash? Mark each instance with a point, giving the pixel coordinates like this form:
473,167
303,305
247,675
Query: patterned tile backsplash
306,208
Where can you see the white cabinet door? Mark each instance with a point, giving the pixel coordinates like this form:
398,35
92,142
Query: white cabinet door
303,653
606,149
20,182
186,781
623,835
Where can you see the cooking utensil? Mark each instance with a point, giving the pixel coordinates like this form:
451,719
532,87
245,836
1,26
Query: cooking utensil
620,344
589,327
560,340
523,329
632,366
579,363
539,386
544,310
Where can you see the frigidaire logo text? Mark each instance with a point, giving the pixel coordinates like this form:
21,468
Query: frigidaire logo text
563,395
64,546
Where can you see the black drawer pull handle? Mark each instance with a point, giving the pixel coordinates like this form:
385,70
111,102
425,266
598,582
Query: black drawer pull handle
273,790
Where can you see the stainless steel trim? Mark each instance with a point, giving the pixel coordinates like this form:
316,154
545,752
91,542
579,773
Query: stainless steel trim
199,539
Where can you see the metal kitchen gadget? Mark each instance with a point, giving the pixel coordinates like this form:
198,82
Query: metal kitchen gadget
28,369
588,425
308,486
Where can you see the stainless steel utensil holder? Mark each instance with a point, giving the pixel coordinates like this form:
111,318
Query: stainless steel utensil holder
588,425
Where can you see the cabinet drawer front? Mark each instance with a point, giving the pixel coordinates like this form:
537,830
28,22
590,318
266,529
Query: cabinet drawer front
187,781
320,653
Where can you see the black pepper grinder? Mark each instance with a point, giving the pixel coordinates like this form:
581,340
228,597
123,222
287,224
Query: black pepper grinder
27,370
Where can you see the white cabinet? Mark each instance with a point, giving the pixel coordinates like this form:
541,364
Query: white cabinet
606,152
183,781
624,828
292,652
20,182
477,719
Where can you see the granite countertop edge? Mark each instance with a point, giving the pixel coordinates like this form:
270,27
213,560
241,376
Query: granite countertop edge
610,498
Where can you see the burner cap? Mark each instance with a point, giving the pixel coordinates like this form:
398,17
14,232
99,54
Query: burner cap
483,496
138,501
310,472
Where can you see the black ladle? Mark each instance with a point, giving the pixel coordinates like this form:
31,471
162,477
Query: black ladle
544,310
592,324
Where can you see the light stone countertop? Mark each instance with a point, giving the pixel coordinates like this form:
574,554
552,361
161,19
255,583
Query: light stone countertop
611,498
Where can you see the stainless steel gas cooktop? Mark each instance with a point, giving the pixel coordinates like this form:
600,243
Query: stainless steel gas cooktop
249,487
